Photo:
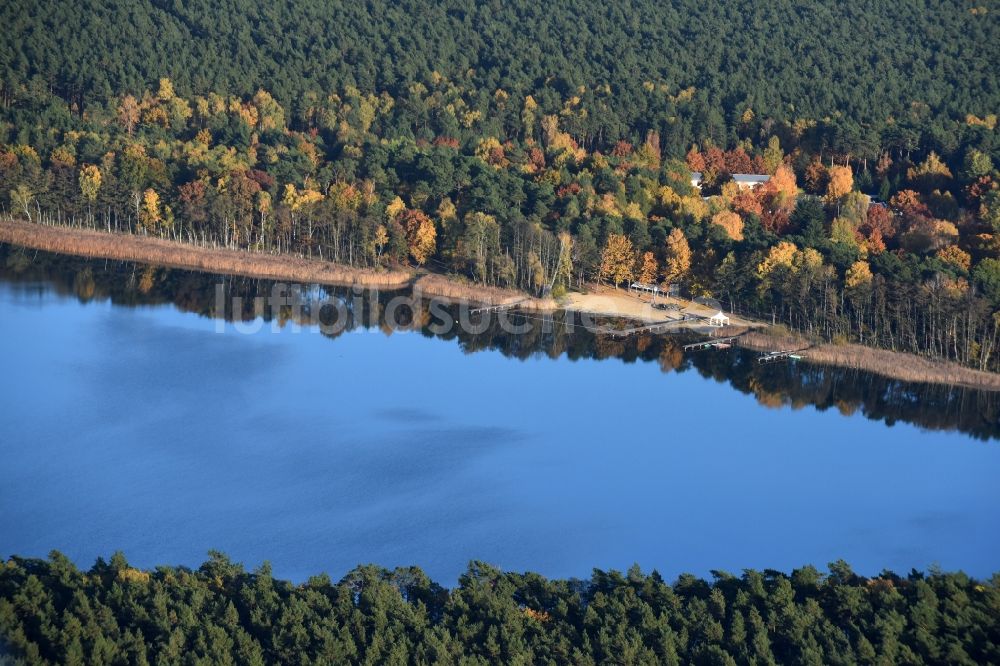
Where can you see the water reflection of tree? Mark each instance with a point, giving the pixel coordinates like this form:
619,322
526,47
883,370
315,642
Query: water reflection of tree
776,385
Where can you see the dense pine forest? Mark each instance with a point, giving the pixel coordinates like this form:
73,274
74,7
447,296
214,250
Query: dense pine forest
542,149
51,612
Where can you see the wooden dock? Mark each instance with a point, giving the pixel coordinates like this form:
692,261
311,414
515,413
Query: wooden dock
768,357
720,343
496,308
655,327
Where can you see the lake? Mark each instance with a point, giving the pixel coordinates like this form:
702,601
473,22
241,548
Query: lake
135,420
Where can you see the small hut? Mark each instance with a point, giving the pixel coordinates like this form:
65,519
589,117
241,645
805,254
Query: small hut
718,319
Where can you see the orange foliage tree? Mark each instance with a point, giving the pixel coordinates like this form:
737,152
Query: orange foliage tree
648,268
421,235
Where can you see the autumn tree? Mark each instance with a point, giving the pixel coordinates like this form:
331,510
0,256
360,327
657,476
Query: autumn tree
128,113
731,222
20,198
564,266
618,259
678,257
781,255
816,176
931,174
778,197
840,181
879,219
858,276
528,117
479,245
270,115
150,215
955,256
380,240
648,268
909,204
773,155
394,209
842,230
421,235
90,182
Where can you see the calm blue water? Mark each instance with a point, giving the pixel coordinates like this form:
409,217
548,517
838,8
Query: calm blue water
146,430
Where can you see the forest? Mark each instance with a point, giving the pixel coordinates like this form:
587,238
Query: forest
52,612
542,150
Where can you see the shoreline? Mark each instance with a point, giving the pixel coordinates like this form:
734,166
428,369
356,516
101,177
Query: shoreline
895,365
94,244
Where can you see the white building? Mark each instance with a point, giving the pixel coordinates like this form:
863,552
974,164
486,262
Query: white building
750,181
744,181
718,319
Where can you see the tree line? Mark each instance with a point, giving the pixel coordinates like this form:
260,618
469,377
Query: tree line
113,613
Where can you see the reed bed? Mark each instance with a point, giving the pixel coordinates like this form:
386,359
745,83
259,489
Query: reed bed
896,365
143,249
443,287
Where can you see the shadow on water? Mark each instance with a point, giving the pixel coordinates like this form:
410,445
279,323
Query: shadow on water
788,384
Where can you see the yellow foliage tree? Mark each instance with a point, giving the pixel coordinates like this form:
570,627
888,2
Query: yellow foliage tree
858,276
840,181
731,222
929,174
62,156
344,196
491,151
446,210
633,211
21,198
380,240
394,209
781,255
263,202
528,116
270,115
90,182
166,90
421,235
695,207
842,230
667,197
678,260
808,259
773,155
618,259
783,186
150,215
297,200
